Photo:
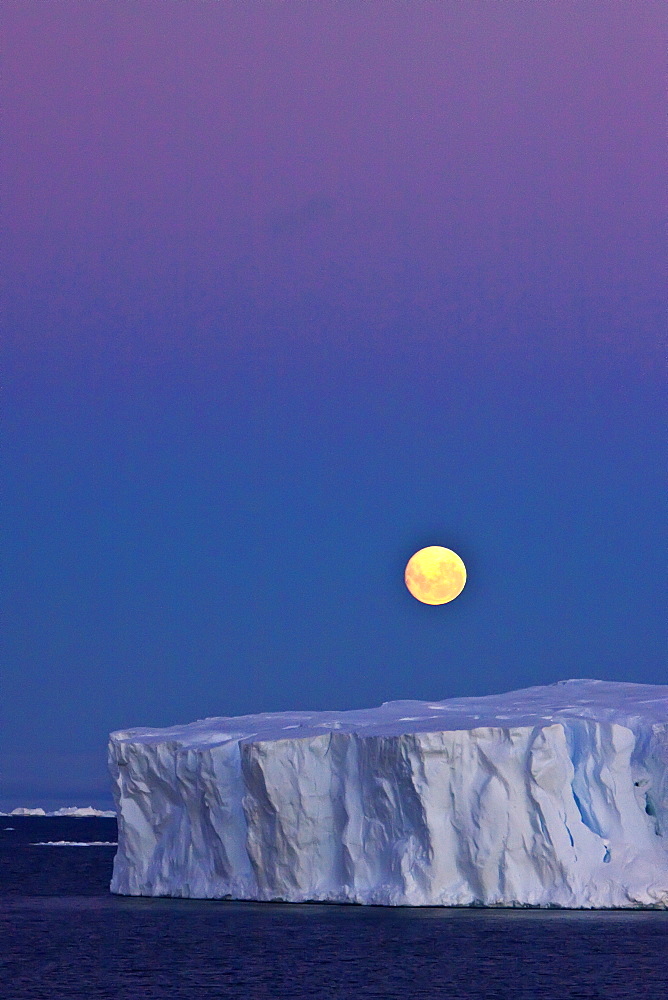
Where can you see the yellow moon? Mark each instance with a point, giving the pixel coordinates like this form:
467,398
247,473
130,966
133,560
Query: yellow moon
435,575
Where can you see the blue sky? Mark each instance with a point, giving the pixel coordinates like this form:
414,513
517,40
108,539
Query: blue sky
291,297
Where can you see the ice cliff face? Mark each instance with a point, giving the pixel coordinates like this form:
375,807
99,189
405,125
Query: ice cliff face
550,796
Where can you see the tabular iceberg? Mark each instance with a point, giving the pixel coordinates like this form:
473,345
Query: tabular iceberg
549,796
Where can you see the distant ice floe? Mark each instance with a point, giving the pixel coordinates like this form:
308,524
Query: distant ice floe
72,811
76,843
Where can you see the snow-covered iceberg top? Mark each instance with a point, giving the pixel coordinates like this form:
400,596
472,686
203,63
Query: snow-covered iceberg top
603,701
552,795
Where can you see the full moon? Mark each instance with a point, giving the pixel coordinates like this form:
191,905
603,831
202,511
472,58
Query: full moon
435,575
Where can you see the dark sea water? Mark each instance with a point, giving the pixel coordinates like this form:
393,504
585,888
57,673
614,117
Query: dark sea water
63,935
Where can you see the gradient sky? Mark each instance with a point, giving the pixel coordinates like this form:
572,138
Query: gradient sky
292,290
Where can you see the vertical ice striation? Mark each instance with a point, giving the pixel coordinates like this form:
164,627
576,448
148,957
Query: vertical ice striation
551,796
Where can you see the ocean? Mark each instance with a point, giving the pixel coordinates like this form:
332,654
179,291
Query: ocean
63,935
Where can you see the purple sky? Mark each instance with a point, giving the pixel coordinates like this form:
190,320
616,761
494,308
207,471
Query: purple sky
268,174
293,289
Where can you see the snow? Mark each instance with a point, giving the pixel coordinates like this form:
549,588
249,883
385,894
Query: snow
75,811
549,796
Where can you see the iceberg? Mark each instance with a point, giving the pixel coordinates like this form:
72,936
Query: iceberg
69,811
552,796
84,812
75,843
25,811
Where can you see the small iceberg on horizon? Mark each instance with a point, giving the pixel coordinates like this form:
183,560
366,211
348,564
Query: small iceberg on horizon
70,811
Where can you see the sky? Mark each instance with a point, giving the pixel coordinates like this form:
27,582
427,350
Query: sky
290,291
